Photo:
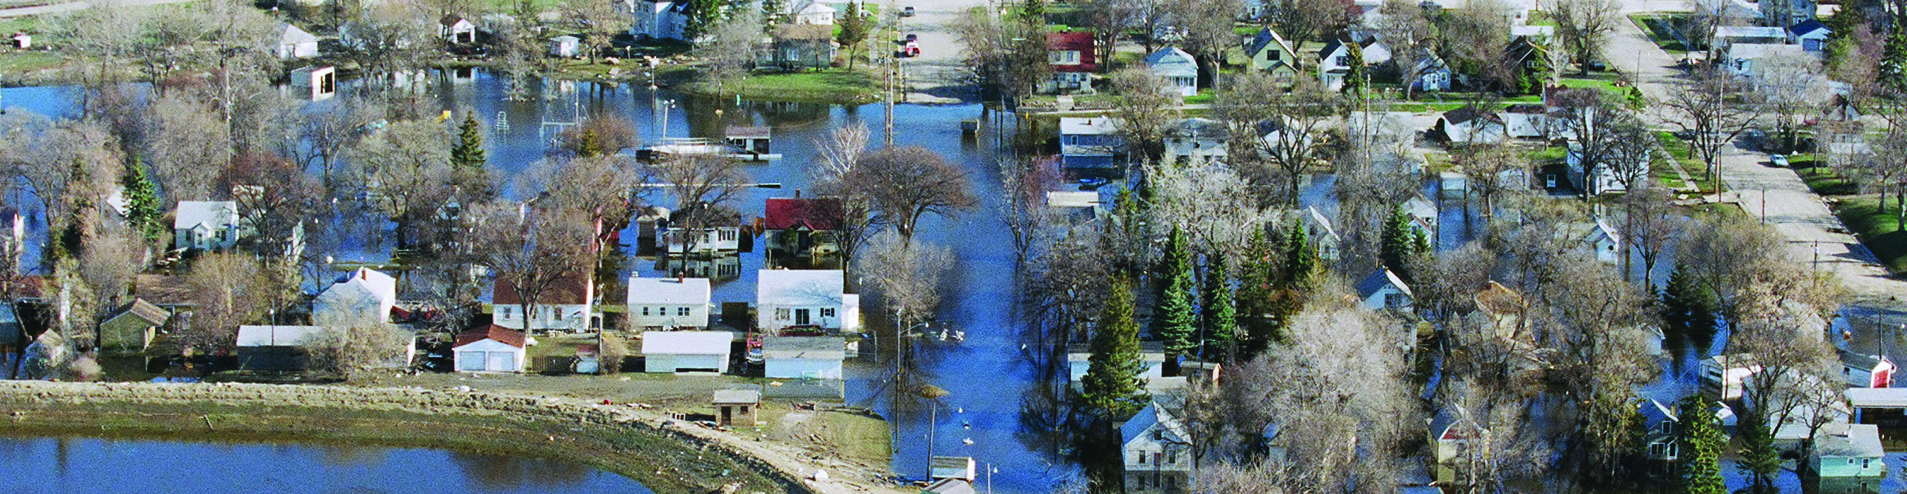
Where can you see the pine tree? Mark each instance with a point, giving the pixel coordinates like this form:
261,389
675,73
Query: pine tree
1354,78
1300,258
1688,309
1893,64
1759,459
1173,319
1397,243
1257,275
467,153
1112,383
854,30
142,203
1701,452
1219,313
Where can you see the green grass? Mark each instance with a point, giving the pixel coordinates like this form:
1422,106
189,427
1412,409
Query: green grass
1877,228
823,86
1683,155
1204,97
1548,155
1660,30
1821,179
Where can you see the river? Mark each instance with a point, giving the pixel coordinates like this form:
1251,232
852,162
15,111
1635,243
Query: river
50,465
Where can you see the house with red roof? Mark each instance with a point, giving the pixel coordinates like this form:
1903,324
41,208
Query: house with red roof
490,349
1071,55
801,232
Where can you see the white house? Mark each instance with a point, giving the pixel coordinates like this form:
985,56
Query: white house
1742,59
1197,141
667,303
1469,126
1177,68
456,29
1726,36
1156,449
565,46
815,13
1384,290
803,357
686,351
660,19
491,349
1812,35
1526,121
1334,60
206,226
294,43
1849,450
1423,217
1867,371
567,305
1605,241
1322,235
366,295
815,298
1078,361
1722,375
1609,174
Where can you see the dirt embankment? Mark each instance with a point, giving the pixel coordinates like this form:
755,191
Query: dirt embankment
665,454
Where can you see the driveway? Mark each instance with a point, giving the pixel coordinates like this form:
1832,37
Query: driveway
939,74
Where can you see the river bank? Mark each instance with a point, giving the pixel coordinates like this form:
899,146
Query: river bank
664,454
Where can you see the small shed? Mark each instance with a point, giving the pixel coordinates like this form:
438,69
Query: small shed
748,139
491,349
803,357
22,40
949,486
1878,405
686,351
951,467
736,407
316,83
276,348
565,46
132,327
294,43
456,29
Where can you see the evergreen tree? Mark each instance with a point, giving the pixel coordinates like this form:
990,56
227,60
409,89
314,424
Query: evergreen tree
142,203
771,11
1257,277
702,17
854,30
1702,442
1221,316
1112,383
1893,66
1300,258
1760,460
1173,319
1397,243
1354,78
467,153
1688,309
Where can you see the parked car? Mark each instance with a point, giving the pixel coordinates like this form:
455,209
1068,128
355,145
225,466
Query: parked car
1779,161
911,37
907,11
910,50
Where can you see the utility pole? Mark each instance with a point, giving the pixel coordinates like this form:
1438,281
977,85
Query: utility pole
893,69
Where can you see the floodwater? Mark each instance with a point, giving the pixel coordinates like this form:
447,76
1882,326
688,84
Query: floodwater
47,465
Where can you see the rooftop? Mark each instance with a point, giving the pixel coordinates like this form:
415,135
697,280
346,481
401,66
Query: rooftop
816,214
804,347
501,334
262,336
673,291
1849,441
686,342
1101,125
805,287
736,397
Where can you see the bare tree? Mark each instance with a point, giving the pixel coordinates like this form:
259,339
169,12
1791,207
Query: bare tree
598,135
1285,130
354,350
833,171
228,290
331,129
1208,32
1492,171
532,251
1791,87
1025,208
1407,30
598,20
730,50
1212,205
1590,118
1710,110
275,198
907,276
1705,17
1472,38
404,170
1651,223
1008,54
905,183
1734,258
1584,26
1595,329
1304,21
1145,109
390,38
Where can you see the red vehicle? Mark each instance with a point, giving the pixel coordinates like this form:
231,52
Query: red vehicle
910,50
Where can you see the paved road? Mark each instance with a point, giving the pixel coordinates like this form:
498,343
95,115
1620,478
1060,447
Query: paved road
1816,237
939,74
75,6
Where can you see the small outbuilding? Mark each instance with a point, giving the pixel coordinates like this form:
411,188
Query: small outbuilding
736,407
803,357
316,83
1848,451
753,139
456,29
565,46
491,349
686,351
294,43
132,327
276,348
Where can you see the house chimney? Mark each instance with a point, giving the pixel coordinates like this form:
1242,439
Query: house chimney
797,193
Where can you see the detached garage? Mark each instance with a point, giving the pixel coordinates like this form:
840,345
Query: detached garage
492,349
686,351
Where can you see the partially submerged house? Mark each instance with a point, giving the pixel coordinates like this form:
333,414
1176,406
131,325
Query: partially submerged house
686,351
1861,370
492,348
1661,424
1722,375
455,29
802,231
803,357
1196,141
1843,451
1151,353
131,328
1383,290
667,303
317,83
806,298
565,46
1089,143
1323,237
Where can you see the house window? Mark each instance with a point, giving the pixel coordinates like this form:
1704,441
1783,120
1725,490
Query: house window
1344,61
1393,300
645,310
1272,55
1172,457
729,235
503,312
682,311
781,313
827,312
1062,57
1142,459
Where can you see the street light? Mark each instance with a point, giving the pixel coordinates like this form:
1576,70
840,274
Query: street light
933,394
666,105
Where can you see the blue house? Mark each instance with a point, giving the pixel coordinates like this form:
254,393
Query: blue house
1089,143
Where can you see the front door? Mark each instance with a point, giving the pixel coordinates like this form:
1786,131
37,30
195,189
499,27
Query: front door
801,317
725,416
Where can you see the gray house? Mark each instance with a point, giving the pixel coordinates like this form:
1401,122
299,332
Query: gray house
1178,68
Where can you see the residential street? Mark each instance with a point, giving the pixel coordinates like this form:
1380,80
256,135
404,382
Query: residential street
1815,236
938,74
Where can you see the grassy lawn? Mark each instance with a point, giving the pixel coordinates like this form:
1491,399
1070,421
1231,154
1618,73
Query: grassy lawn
1661,30
1821,179
1684,156
1877,228
1203,97
1548,155
821,86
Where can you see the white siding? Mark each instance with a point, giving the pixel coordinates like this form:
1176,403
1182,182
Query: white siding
802,369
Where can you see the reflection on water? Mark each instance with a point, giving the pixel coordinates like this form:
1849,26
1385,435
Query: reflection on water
64,464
